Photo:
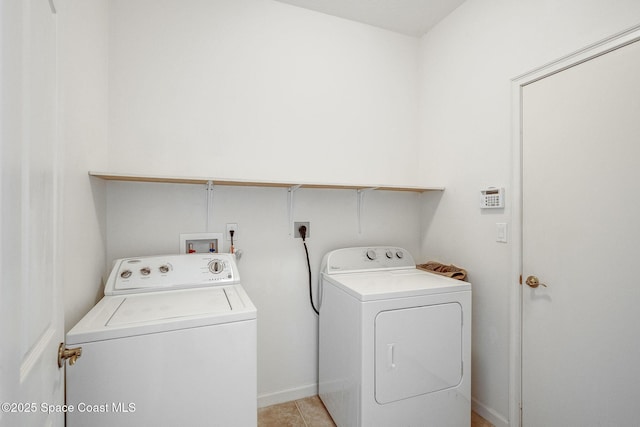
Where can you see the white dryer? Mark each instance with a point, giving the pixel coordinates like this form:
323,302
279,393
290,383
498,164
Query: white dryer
395,341
172,342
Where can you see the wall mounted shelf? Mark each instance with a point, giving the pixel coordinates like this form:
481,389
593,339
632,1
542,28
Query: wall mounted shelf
291,187
242,183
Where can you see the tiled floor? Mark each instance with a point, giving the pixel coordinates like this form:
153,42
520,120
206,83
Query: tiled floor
310,412
478,421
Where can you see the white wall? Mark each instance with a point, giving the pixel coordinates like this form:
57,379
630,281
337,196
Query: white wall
83,85
467,63
257,89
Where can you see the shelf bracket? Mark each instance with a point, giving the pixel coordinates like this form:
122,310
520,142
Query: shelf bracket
290,191
209,188
360,202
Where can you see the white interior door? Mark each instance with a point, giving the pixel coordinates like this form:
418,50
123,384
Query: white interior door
30,300
581,236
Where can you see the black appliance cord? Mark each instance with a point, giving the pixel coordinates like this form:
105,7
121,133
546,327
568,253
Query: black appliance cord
303,234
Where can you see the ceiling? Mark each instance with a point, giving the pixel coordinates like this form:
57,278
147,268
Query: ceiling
411,17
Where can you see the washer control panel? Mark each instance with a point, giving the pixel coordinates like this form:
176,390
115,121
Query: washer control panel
157,273
367,258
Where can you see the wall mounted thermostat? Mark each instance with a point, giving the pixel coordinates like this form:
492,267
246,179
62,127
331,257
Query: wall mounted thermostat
492,198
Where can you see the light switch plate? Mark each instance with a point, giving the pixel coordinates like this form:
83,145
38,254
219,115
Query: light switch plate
501,232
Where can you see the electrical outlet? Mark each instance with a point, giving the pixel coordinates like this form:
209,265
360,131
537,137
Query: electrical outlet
296,229
234,227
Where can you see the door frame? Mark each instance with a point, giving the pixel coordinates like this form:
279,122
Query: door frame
587,53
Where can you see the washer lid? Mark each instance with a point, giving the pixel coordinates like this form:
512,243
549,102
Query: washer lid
377,285
121,316
160,306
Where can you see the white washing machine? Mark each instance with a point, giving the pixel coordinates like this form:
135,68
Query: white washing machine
172,342
395,341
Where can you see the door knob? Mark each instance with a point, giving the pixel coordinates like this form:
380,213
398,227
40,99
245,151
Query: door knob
533,282
68,353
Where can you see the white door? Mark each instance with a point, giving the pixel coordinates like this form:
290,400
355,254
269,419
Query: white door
581,237
30,296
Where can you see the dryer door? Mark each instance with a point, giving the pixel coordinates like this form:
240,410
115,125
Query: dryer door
418,351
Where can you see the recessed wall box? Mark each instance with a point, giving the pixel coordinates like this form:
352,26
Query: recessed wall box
201,243
492,198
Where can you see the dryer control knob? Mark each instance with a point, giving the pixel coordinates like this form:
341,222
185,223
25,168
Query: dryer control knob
125,274
389,254
145,271
371,254
400,254
164,268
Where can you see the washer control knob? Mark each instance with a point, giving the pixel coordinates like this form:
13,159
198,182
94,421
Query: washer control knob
164,268
400,254
145,271
371,254
216,266
389,254
126,274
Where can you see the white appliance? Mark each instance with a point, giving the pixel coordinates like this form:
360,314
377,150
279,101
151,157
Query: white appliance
172,342
395,341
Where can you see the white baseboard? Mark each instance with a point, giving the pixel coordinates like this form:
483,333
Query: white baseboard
489,414
288,395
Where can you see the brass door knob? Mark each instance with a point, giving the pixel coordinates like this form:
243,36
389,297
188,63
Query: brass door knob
533,282
68,353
